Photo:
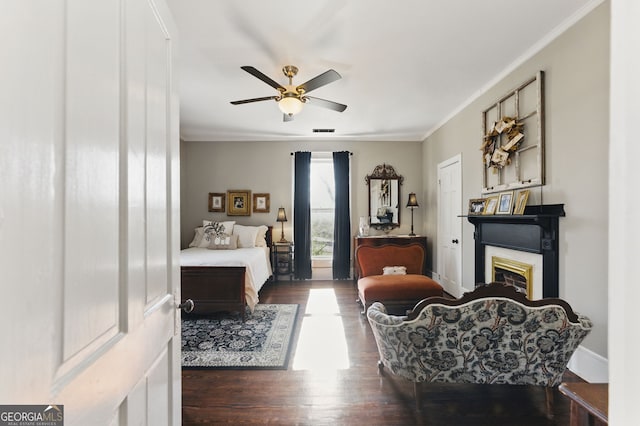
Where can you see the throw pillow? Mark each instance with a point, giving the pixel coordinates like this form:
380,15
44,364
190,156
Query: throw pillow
260,238
394,270
246,235
224,242
197,237
214,229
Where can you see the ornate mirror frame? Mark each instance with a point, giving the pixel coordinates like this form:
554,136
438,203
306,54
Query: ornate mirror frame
384,197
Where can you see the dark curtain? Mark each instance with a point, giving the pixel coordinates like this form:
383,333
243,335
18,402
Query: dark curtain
302,215
342,219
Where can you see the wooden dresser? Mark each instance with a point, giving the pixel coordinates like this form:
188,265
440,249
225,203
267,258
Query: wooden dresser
390,239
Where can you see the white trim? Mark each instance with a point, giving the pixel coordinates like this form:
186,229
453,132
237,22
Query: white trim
528,54
589,365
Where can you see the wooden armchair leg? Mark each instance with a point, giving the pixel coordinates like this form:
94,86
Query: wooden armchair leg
416,394
549,400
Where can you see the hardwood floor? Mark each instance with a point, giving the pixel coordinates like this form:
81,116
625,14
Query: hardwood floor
332,379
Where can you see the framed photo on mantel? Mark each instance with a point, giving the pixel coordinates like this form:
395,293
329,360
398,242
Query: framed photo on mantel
505,203
476,206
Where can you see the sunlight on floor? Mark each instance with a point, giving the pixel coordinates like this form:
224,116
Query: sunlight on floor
322,345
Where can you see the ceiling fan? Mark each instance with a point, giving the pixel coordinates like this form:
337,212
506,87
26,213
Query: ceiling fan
291,98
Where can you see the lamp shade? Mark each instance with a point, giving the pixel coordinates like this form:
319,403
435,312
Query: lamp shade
282,215
413,201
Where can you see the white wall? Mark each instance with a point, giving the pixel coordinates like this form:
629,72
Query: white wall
268,167
577,125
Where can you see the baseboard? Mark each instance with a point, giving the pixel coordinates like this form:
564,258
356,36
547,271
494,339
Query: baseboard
589,365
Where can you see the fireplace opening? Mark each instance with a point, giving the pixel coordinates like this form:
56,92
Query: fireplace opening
514,273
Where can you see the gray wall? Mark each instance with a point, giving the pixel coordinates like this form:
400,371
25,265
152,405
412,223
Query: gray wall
576,67
268,167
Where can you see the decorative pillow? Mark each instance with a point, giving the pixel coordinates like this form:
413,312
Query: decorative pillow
228,224
224,242
197,237
394,270
260,238
247,235
214,229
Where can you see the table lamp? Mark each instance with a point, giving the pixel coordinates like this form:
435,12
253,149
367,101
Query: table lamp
282,218
412,203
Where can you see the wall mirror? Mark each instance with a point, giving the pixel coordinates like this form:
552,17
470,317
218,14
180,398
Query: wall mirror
384,197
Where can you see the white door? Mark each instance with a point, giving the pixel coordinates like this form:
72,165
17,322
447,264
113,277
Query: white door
89,210
450,225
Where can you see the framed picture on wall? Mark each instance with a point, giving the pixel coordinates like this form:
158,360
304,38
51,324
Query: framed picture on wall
239,202
216,202
505,203
261,203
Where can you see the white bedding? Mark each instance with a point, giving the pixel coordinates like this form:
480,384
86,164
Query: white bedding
255,259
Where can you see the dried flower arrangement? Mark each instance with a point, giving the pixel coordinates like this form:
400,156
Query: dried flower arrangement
495,156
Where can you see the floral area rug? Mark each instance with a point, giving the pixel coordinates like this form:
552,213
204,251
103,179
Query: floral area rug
224,341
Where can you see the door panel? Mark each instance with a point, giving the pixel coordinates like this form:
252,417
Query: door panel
91,160
450,225
92,205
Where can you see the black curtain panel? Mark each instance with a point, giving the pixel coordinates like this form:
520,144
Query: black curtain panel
302,215
342,219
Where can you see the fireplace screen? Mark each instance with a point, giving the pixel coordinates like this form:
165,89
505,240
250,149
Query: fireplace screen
512,272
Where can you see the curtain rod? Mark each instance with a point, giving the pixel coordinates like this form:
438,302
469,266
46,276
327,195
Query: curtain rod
350,153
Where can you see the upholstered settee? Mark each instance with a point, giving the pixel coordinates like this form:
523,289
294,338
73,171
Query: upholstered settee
493,335
397,292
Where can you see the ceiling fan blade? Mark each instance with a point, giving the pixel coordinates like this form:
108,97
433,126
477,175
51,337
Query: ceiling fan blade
254,72
246,101
326,104
320,80
287,117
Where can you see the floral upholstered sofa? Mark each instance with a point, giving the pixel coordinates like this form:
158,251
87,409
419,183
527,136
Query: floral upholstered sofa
493,335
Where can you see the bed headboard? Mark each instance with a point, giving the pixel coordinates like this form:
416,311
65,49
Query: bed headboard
269,236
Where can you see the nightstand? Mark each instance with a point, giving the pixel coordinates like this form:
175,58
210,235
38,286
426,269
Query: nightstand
282,260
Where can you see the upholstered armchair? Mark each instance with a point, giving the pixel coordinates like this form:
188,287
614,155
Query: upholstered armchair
493,335
397,291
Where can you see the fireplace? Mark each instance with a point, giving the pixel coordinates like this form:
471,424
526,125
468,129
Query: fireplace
513,273
531,238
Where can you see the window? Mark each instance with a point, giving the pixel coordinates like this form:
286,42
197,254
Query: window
322,206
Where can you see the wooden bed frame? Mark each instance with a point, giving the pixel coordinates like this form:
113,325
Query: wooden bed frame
216,288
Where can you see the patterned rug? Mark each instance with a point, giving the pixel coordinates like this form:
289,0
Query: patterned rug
224,341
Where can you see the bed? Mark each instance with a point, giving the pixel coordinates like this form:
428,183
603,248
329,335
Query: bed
225,279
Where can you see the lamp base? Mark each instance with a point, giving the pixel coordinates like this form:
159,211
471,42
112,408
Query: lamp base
412,234
283,240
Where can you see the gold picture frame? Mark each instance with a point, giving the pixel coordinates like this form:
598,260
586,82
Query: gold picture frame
238,202
476,206
261,203
521,202
505,203
490,205
216,202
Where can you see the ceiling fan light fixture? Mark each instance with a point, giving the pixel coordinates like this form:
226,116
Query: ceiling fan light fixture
290,105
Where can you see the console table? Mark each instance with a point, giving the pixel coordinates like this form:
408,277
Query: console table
390,239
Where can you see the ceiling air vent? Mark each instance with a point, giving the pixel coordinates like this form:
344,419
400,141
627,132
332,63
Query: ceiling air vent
324,130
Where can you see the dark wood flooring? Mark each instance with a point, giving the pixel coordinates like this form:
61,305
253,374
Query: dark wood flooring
333,379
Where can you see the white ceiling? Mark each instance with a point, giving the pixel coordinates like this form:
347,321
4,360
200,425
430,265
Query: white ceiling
406,65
